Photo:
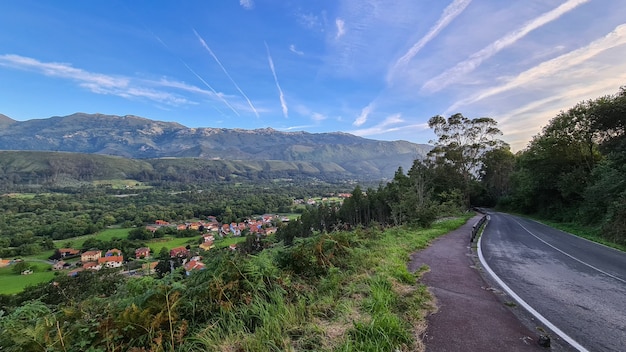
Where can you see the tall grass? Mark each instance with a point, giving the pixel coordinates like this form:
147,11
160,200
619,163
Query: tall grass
366,300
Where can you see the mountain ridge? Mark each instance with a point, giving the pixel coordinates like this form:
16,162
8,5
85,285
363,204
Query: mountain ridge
137,137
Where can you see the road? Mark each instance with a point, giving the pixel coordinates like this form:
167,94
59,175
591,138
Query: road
577,285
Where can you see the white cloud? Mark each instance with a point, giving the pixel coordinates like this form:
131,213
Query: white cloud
390,124
293,49
341,29
101,83
316,116
547,69
247,4
449,14
364,114
452,75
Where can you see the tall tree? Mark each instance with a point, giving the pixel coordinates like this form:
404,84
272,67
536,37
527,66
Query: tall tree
461,143
495,174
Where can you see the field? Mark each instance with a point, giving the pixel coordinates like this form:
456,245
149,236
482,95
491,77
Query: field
121,184
13,283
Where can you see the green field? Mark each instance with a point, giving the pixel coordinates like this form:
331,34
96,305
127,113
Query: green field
121,184
11,283
171,242
105,235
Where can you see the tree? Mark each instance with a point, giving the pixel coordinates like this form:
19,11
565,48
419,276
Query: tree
498,166
19,267
462,143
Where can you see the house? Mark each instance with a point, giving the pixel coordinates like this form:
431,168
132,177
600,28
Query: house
90,256
143,252
205,246
58,265
92,266
68,252
5,263
161,222
233,247
113,252
208,238
193,265
179,252
27,272
111,261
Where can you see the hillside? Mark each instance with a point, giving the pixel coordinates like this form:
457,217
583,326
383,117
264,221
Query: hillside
135,137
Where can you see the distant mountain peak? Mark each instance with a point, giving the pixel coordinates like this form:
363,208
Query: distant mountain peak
141,138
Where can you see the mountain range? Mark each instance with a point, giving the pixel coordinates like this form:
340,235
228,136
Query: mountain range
136,137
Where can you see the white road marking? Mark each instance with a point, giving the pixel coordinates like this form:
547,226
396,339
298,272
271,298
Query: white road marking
523,303
567,254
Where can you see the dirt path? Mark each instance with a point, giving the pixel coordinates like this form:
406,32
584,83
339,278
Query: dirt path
470,316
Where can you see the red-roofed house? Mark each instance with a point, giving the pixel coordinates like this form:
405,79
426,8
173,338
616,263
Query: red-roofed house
92,266
143,252
179,252
193,265
68,252
112,261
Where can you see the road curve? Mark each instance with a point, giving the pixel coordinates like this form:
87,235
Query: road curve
577,285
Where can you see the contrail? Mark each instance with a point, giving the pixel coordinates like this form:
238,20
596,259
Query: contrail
211,88
476,59
449,14
283,104
218,95
204,44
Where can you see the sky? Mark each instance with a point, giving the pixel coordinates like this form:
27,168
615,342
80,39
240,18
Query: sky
379,69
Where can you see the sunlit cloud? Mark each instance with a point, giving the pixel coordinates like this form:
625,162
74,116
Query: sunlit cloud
293,49
470,64
362,118
247,4
341,29
99,83
449,14
204,44
316,116
281,96
389,124
547,69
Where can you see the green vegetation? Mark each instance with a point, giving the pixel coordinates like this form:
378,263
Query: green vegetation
571,173
340,291
13,282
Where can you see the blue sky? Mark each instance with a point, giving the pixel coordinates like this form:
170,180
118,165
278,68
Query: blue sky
374,68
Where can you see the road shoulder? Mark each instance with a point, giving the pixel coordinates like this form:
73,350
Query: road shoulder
470,316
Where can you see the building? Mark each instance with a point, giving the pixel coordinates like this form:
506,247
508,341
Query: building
111,261
143,252
90,256
179,252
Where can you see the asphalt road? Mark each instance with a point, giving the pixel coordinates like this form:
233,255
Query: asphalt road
577,285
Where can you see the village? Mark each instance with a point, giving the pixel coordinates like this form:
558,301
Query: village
191,256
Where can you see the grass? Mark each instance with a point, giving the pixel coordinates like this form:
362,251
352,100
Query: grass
171,242
11,282
121,184
589,233
105,235
369,302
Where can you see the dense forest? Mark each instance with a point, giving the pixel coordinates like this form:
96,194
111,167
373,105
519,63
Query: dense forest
325,280
574,171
